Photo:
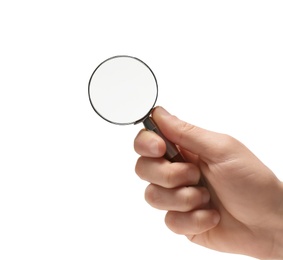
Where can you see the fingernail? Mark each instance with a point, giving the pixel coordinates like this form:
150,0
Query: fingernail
205,197
162,111
216,218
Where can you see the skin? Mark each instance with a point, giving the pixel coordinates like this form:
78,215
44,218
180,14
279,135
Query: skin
238,210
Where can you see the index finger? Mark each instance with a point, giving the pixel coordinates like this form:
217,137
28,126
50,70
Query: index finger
149,144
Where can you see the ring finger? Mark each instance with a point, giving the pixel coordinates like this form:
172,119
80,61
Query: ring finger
181,199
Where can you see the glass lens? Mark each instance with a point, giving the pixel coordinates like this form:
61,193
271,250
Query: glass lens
123,90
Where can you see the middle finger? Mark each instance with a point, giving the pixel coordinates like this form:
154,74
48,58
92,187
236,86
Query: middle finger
166,174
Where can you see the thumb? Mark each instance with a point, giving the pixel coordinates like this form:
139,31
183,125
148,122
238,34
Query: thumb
192,138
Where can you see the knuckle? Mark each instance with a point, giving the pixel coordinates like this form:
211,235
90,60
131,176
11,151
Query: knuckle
189,173
188,198
170,177
224,145
178,174
185,128
197,223
227,141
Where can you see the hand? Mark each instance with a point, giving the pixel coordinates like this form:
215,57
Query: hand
240,207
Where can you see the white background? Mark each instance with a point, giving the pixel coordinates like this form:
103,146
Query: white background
68,189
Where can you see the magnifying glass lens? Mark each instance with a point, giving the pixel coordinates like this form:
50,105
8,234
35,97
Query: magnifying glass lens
123,90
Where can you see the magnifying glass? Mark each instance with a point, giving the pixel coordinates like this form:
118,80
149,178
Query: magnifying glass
123,90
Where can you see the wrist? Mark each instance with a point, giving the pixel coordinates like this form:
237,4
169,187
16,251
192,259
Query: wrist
277,249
